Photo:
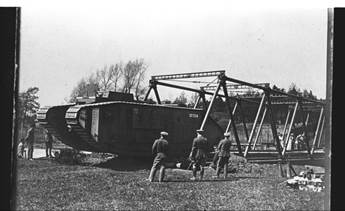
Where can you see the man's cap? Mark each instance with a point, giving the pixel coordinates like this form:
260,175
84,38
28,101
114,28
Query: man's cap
199,130
163,133
227,134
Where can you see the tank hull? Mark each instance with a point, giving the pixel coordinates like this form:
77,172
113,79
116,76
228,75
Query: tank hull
128,128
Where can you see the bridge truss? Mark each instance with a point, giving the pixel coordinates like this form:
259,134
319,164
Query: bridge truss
229,88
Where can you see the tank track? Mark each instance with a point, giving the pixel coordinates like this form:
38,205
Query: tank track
53,119
71,117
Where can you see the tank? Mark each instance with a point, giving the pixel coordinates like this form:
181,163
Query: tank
115,123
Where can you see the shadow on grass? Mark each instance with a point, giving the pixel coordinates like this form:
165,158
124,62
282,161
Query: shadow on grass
43,158
229,179
125,164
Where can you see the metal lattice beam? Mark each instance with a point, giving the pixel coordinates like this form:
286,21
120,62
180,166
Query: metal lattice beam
188,75
236,87
271,91
198,91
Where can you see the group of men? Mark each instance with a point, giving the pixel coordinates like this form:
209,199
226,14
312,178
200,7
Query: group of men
28,142
296,141
198,155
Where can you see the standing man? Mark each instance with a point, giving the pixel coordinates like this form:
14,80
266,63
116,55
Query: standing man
198,154
49,144
160,150
224,155
29,139
215,158
281,141
21,149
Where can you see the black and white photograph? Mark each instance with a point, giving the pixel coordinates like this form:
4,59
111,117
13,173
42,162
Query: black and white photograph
172,105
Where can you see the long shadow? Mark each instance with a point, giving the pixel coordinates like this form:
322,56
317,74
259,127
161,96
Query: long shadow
125,164
229,179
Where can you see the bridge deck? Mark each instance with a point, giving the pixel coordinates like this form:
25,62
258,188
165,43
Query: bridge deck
295,157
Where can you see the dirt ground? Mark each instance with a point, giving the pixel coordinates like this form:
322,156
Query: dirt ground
112,184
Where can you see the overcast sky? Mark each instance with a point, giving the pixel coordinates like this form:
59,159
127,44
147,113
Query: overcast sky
60,44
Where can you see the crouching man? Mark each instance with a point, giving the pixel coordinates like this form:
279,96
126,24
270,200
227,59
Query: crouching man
160,150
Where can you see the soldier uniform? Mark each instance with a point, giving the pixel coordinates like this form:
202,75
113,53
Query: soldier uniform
21,149
215,158
198,154
29,139
224,154
160,149
49,144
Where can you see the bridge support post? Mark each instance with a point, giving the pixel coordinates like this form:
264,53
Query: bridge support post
157,95
286,123
273,125
200,97
153,85
305,130
254,124
223,82
307,119
322,125
306,138
317,131
210,106
197,102
260,127
243,120
204,101
233,113
289,131
147,94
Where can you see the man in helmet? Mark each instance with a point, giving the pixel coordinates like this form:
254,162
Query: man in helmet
224,155
160,150
198,153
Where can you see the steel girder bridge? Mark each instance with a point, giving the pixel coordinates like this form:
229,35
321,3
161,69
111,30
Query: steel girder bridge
265,105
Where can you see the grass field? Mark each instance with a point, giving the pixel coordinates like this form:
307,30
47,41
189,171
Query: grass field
44,184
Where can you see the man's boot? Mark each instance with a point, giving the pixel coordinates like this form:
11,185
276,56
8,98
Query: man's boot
217,172
225,171
152,174
161,174
202,172
194,173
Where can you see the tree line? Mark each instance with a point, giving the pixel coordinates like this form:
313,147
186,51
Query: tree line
126,77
